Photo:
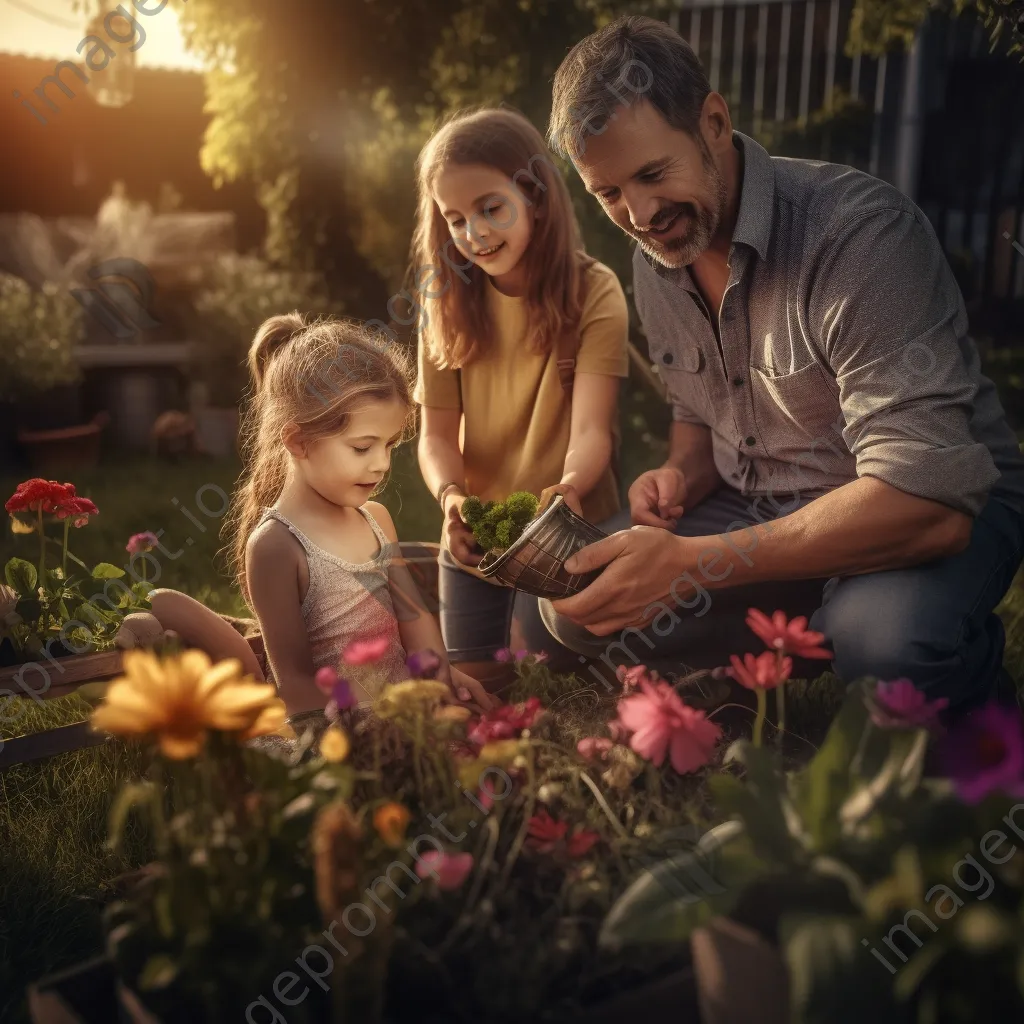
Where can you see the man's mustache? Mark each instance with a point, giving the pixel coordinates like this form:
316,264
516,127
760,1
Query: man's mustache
665,216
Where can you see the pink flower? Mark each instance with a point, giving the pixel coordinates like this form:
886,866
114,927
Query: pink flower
504,722
617,731
503,654
984,753
326,679
901,705
365,652
140,543
662,724
792,637
632,677
450,869
593,748
762,672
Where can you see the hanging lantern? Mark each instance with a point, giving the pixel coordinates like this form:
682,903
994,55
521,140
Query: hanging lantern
109,61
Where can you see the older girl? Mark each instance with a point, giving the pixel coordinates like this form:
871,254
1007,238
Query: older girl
522,345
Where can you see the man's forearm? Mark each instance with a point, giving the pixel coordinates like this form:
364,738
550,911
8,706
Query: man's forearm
690,450
864,526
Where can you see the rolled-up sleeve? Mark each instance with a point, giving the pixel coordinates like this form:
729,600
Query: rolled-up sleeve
891,319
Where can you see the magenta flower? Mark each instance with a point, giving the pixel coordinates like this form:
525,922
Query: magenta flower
901,705
337,689
365,652
505,721
662,724
326,679
984,753
140,543
793,637
594,748
503,654
450,869
423,664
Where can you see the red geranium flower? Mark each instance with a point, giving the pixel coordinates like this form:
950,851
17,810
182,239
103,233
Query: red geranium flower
793,637
546,835
39,495
505,722
80,508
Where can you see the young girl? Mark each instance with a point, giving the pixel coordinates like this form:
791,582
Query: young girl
520,354
315,558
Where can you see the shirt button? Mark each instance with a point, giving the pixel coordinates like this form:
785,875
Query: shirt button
738,382
751,441
667,357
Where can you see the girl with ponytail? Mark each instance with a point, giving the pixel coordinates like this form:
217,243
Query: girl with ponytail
315,558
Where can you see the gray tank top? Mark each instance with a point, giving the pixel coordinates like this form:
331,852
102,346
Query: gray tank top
346,601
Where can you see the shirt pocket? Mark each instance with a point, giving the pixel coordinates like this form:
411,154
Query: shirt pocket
683,371
792,407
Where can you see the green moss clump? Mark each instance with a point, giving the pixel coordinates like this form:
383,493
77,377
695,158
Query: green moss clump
497,525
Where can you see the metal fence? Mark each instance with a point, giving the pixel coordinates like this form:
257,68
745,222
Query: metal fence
929,128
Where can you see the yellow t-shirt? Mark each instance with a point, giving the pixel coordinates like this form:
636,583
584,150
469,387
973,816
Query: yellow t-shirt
516,415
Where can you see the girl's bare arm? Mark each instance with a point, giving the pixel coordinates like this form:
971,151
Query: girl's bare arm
274,573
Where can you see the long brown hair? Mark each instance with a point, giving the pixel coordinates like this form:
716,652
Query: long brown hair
311,373
456,328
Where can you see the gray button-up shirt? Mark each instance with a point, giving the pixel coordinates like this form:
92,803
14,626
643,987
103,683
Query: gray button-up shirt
844,348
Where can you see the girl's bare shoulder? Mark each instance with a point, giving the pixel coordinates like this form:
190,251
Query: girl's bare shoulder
272,543
383,519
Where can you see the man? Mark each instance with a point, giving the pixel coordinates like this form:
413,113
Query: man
830,423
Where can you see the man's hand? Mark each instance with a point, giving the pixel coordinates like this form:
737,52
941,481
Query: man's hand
656,498
567,491
456,536
642,564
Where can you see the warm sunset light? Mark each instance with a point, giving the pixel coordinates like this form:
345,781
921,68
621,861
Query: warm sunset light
53,28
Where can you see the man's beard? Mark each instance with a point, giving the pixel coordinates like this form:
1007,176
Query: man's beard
703,223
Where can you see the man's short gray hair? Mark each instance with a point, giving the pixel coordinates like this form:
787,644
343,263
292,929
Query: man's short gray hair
632,59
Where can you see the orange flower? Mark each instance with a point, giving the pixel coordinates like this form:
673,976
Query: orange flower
391,820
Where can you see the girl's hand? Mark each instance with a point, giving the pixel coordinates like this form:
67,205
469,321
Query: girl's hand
456,536
567,491
479,695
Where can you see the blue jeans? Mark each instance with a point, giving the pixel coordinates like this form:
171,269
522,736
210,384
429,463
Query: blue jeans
934,623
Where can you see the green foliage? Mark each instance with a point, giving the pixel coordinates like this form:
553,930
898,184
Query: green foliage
241,293
845,849
38,333
878,25
497,525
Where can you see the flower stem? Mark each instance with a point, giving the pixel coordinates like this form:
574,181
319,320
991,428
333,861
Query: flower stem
762,708
64,553
42,549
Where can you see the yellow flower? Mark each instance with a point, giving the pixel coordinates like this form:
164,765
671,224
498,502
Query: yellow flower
273,721
411,695
390,820
334,745
178,699
20,526
502,752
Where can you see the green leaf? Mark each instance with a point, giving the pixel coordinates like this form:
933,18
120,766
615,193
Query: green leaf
22,576
106,571
131,795
680,893
833,977
757,801
159,972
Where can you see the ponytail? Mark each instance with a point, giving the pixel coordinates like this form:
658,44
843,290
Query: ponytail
273,334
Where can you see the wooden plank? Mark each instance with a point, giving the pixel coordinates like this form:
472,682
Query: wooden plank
60,675
38,745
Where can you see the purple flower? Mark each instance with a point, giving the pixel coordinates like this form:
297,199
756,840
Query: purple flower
140,543
423,664
901,705
342,694
984,753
